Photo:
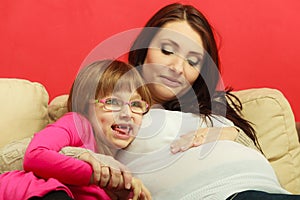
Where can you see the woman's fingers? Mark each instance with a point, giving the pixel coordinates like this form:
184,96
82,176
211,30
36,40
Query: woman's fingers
189,140
183,143
121,172
105,176
120,177
203,135
101,172
89,158
115,178
199,137
127,178
107,172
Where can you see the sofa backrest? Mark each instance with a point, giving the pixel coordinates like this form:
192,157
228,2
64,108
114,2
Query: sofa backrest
23,109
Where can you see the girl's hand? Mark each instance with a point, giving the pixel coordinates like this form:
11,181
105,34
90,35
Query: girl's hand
203,135
137,192
107,171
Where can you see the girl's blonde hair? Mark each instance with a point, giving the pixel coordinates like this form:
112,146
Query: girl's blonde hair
101,79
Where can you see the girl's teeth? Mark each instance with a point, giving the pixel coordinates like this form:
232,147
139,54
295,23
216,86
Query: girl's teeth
121,128
124,127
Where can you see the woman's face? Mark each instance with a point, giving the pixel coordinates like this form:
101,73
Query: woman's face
117,127
173,61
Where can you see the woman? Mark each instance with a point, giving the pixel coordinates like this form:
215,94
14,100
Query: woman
177,56
202,97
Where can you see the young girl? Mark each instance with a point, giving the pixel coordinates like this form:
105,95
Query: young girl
108,100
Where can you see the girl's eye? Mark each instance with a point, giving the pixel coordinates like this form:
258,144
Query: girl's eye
193,61
167,49
112,101
136,104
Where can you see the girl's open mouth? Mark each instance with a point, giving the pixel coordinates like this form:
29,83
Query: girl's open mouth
122,131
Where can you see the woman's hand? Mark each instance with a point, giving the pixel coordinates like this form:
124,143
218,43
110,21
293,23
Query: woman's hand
107,171
203,135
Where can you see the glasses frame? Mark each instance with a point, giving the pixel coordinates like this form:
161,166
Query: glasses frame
123,104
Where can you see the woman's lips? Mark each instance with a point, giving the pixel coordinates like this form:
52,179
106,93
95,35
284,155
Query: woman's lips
170,81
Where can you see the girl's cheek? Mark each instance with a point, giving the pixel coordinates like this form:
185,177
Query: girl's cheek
139,120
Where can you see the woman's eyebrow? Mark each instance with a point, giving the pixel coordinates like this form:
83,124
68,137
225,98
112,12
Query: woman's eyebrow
171,41
196,53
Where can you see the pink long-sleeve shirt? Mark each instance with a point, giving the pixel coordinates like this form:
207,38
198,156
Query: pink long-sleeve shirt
42,157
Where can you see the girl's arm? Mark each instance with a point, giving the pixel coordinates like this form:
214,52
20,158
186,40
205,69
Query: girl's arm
11,158
43,158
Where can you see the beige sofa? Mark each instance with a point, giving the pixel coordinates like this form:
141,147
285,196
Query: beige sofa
25,110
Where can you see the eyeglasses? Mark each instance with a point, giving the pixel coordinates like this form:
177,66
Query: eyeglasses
115,104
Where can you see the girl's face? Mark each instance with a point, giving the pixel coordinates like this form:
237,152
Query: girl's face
173,61
117,123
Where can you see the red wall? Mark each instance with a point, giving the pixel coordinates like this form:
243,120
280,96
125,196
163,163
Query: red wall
46,41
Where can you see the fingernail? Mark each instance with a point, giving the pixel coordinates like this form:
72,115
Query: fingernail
128,186
175,150
184,148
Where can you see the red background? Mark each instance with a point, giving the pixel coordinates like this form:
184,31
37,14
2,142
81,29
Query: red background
47,40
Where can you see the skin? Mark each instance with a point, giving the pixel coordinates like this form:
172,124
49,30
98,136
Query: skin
172,65
108,172
173,61
122,138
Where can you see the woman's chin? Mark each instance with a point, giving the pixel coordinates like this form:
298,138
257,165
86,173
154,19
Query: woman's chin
162,94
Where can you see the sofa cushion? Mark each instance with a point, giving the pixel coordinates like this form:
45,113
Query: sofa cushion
57,107
12,155
274,122
23,106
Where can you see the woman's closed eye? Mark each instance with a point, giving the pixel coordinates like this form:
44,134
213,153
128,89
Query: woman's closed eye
194,61
167,49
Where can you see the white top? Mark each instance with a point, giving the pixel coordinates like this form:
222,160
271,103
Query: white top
214,170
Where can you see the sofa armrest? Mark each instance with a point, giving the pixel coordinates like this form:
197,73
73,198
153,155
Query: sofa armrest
24,109
274,122
298,130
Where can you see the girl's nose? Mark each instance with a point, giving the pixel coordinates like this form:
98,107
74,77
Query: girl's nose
125,112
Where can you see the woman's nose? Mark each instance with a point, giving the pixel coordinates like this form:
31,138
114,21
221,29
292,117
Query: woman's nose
177,64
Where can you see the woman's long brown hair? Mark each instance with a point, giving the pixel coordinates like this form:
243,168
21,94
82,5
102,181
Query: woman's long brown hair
209,100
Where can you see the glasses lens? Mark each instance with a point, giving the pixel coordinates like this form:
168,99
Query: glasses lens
113,104
138,106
